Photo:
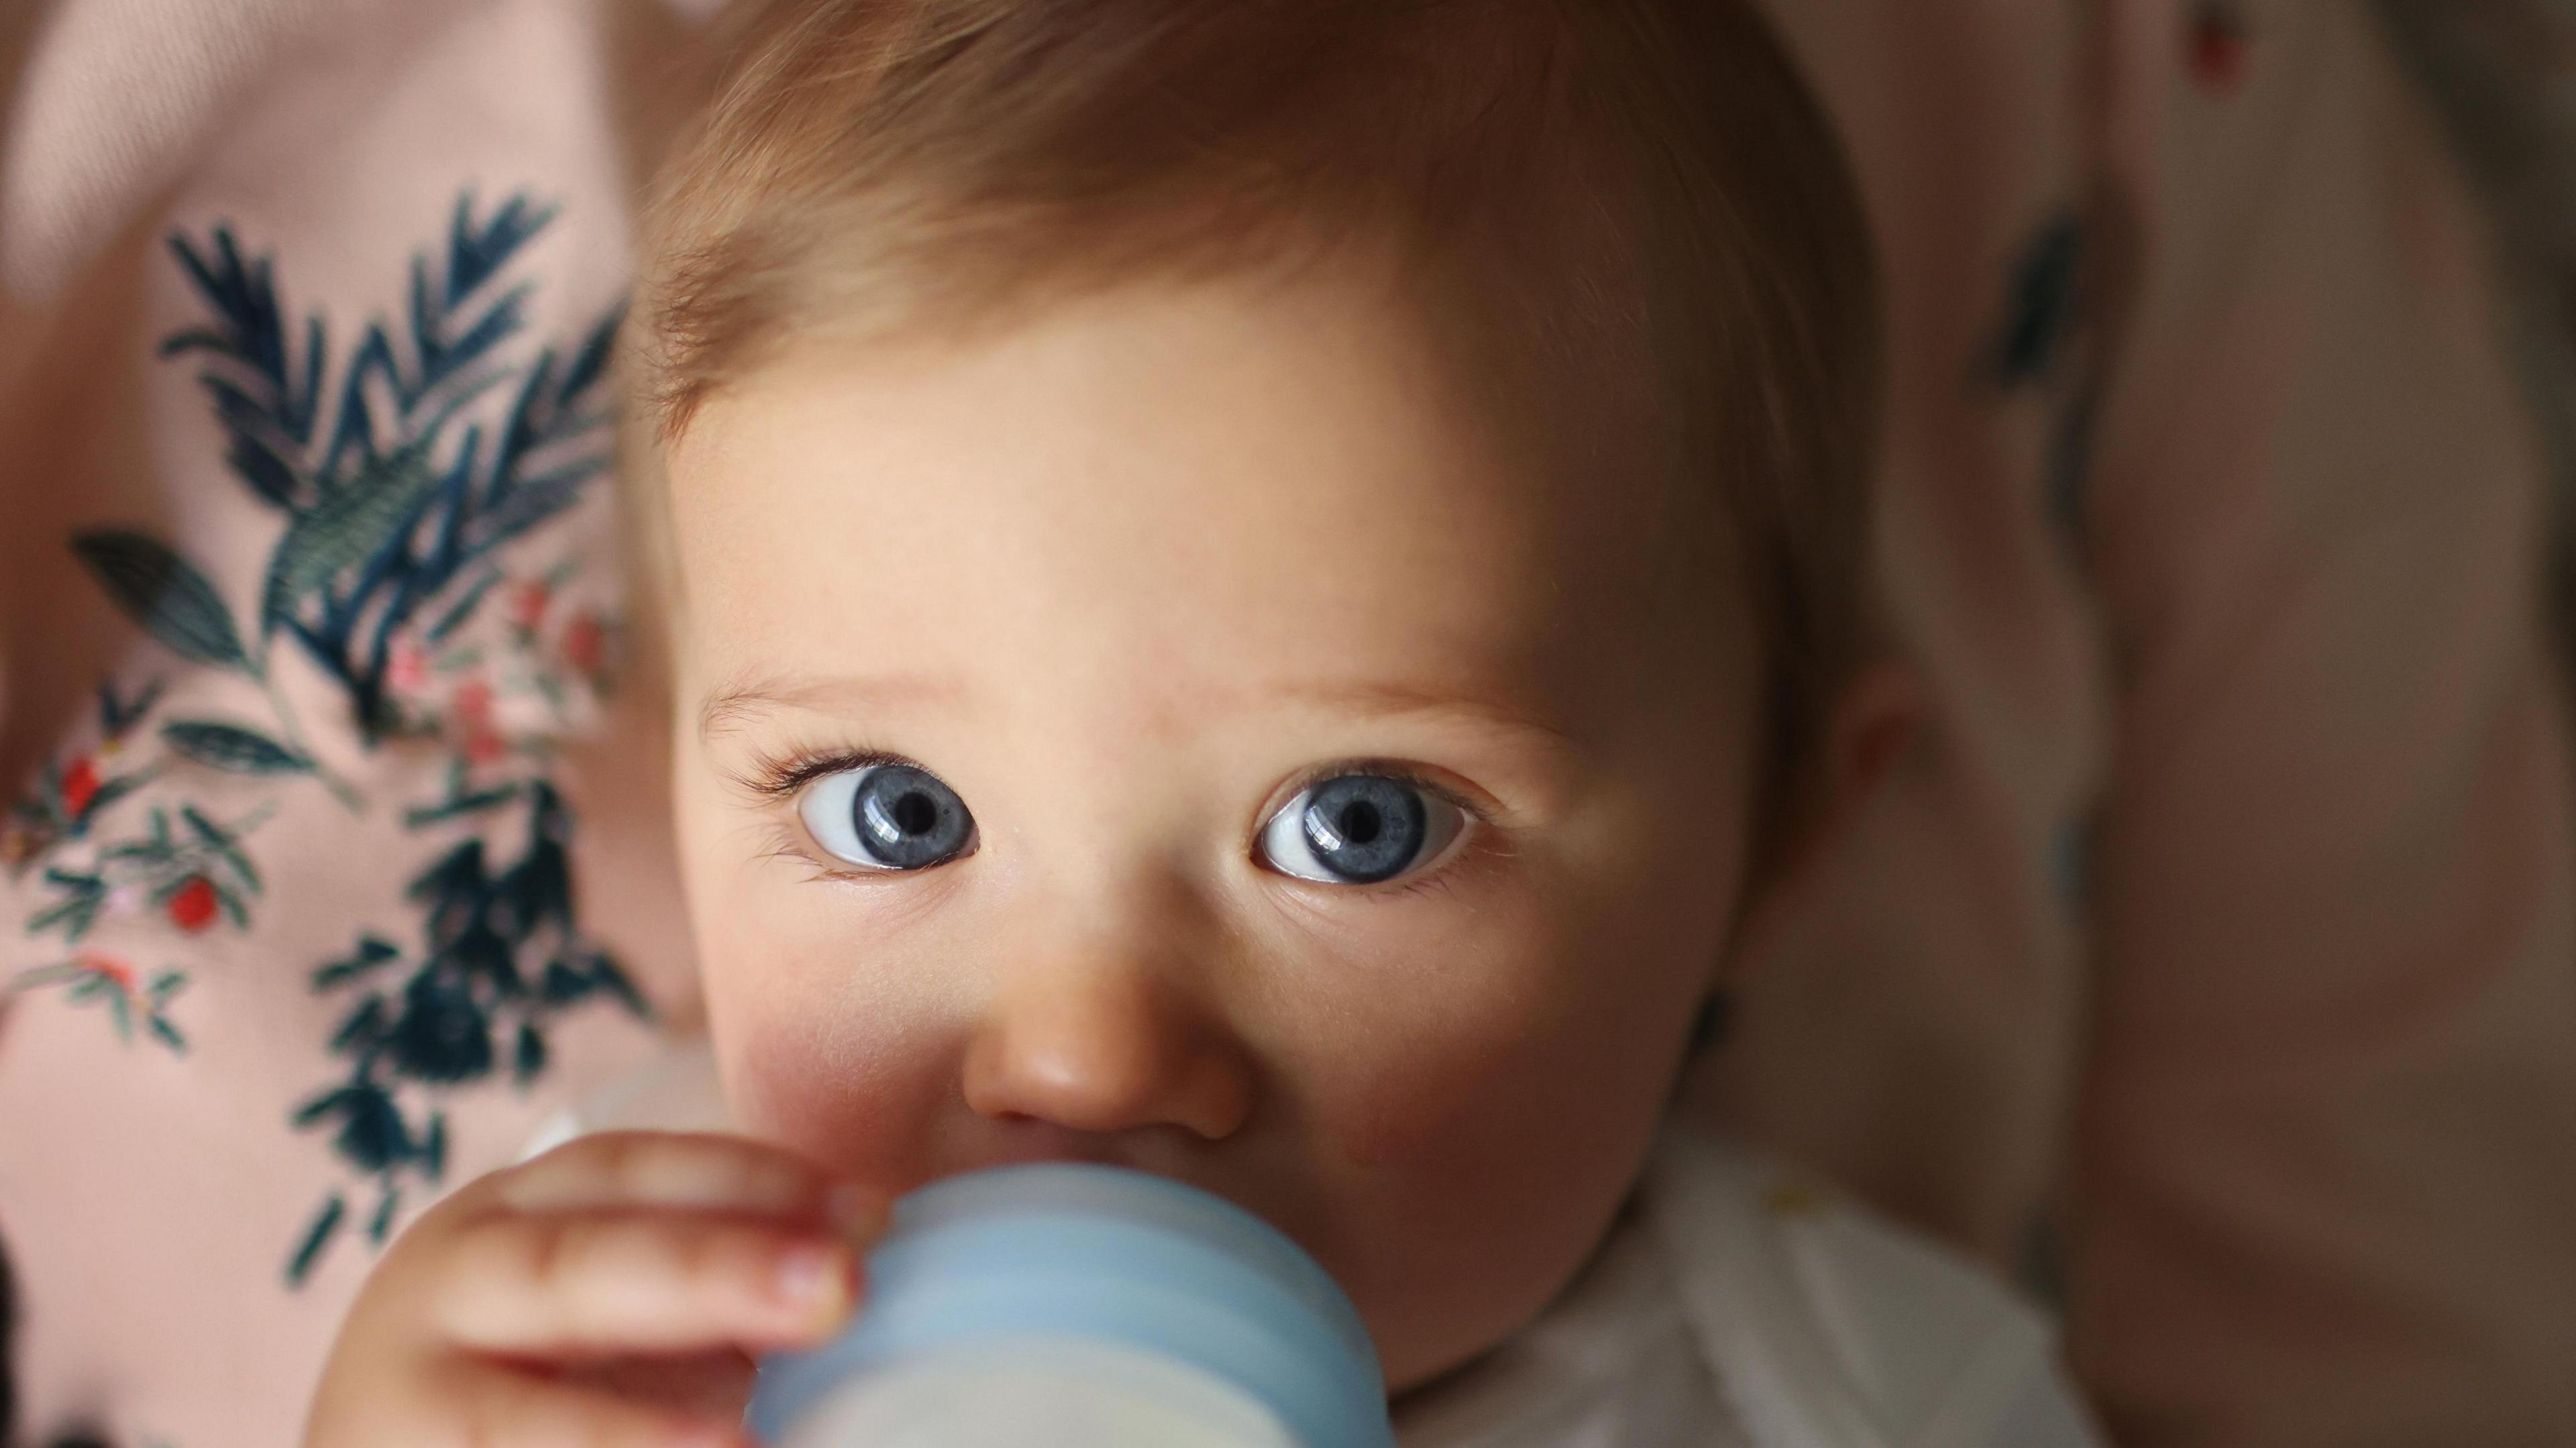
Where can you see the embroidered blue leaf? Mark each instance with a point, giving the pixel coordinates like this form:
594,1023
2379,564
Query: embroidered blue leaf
459,805
533,501
443,1034
355,427
458,612
371,955
232,748
617,983
372,1135
223,846
116,714
269,475
443,359
382,1225
111,791
269,395
166,595
353,525
77,911
326,1223
169,1034
562,985
245,301
364,1030
590,364
149,852
530,1059
477,254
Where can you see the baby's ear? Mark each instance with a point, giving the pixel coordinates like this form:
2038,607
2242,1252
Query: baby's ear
1875,723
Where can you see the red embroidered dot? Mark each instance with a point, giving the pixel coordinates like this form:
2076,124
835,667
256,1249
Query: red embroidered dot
80,786
407,670
112,968
483,746
193,908
585,644
2218,50
528,604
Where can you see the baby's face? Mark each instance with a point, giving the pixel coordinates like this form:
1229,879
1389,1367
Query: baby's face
1211,731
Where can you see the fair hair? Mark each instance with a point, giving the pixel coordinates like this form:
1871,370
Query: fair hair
1635,183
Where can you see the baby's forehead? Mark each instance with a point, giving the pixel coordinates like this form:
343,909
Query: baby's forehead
1212,483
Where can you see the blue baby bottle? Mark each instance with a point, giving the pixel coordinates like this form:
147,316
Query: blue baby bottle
1075,1306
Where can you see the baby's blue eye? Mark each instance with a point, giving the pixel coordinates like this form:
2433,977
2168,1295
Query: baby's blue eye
1359,829
886,817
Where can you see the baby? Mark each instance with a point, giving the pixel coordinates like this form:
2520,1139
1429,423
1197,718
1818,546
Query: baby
1263,590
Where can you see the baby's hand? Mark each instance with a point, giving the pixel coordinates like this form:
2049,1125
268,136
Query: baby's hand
606,1295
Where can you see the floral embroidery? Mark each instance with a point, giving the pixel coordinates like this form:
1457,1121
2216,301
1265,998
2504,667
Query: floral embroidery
508,689
500,957
403,472
193,876
69,796
91,978
396,511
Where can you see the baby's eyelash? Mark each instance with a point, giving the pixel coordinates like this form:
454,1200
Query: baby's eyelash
779,776
1385,769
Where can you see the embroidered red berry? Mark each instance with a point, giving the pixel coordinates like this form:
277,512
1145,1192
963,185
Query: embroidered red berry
473,704
585,643
2218,49
485,746
528,604
407,668
193,908
80,786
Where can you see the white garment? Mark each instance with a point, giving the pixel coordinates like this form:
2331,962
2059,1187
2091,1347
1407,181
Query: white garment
1735,1304
1740,1306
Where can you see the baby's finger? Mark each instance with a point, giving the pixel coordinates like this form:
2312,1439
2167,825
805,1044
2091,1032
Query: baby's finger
643,1282
503,1408
699,1172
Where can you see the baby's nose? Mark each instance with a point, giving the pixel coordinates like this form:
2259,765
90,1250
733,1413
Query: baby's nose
1105,1047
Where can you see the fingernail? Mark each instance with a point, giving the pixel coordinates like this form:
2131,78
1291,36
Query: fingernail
813,1274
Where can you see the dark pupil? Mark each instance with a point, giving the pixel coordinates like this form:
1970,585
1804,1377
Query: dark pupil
915,813
1365,828
1361,822
908,819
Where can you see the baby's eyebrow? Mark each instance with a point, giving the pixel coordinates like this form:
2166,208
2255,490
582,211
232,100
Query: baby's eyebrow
1382,698
739,704
744,702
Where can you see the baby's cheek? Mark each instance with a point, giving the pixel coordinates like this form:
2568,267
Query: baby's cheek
810,1061
827,1090
1508,1029
1433,1072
